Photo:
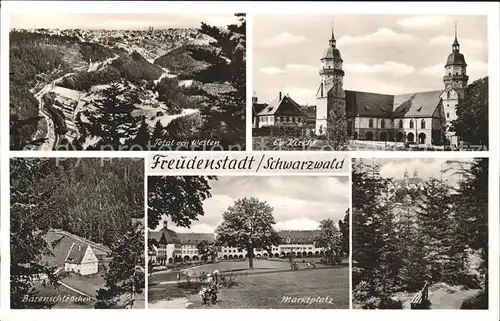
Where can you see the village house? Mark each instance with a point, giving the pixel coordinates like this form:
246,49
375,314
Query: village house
420,117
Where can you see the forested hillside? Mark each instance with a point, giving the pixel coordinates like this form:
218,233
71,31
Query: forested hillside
97,199
437,234
198,72
35,60
92,198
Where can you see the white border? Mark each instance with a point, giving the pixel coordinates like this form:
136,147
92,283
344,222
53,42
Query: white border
448,8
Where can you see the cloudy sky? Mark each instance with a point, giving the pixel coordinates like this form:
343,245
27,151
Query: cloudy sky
117,21
382,53
426,167
298,202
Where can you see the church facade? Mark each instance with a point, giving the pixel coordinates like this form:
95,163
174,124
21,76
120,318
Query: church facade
420,117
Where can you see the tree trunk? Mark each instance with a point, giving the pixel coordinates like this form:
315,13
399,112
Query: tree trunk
250,257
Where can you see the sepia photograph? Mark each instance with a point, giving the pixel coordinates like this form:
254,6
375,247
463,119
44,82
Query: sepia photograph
248,242
135,82
77,233
420,233
370,82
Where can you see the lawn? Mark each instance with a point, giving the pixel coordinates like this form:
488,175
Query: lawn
233,267
441,295
63,294
88,284
265,290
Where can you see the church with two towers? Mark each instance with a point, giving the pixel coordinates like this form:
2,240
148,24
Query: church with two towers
421,117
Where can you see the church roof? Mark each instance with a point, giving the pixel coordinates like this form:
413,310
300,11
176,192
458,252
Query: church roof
366,104
456,58
421,104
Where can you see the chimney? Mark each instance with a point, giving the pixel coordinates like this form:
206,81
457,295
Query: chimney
254,100
165,224
280,96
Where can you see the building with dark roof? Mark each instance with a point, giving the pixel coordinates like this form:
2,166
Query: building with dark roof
282,111
299,243
72,253
171,247
420,117
189,244
165,246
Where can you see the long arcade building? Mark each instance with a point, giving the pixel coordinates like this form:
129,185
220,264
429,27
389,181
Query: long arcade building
173,247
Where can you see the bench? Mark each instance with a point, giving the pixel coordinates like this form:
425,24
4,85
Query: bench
421,299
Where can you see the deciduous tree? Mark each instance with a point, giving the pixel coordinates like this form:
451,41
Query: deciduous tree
180,198
330,238
471,124
207,250
248,225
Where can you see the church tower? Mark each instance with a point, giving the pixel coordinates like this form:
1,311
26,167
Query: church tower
455,81
331,78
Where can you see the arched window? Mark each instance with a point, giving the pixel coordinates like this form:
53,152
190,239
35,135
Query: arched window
370,123
411,123
400,123
382,123
422,124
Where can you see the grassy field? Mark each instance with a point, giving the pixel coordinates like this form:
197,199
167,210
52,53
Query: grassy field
88,284
79,301
233,267
264,290
441,295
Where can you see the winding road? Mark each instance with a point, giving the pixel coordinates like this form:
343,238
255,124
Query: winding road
51,139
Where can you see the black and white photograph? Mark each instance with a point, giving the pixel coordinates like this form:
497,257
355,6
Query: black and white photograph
135,82
77,233
248,242
370,82
420,233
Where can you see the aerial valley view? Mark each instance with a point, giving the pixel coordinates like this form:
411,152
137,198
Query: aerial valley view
145,88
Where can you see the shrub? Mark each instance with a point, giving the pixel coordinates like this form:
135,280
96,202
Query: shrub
478,301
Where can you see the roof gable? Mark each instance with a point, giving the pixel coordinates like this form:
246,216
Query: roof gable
76,253
275,105
61,244
164,236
